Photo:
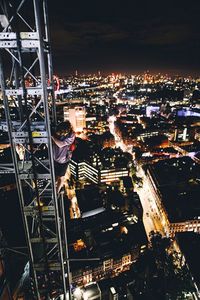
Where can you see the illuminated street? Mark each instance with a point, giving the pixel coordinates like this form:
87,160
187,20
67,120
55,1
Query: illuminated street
118,141
152,217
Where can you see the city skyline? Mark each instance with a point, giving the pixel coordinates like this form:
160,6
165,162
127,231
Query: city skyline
99,150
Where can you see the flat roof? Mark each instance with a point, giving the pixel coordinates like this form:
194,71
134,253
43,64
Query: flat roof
177,181
105,237
189,243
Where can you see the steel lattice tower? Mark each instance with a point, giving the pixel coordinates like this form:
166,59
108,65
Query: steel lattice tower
26,79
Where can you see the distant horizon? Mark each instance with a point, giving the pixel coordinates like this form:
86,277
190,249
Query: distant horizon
170,73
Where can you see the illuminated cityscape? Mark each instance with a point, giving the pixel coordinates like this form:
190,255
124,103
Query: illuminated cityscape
126,222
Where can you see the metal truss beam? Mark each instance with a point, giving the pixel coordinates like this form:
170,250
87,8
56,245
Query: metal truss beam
26,89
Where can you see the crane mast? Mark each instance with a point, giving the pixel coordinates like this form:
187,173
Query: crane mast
26,79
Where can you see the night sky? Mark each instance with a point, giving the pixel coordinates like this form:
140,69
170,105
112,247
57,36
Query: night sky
125,36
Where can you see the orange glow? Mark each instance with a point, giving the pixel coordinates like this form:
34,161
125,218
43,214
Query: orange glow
123,229
79,245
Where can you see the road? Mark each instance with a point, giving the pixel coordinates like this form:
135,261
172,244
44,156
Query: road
118,141
152,216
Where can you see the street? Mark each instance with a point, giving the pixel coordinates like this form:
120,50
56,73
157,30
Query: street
152,216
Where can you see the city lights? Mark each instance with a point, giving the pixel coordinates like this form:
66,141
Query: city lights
99,170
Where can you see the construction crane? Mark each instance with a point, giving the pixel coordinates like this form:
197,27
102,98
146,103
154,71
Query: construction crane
26,79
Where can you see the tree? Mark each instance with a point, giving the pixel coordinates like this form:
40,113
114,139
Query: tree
174,277
159,273
138,181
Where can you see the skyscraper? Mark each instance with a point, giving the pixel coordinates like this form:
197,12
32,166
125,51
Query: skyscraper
76,116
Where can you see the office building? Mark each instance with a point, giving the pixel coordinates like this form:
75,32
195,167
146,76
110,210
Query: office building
76,116
115,238
85,170
175,185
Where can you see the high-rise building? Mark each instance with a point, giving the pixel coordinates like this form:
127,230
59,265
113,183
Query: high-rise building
76,116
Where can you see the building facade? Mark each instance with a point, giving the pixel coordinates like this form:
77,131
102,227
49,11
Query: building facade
85,170
171,227
76,116
106,269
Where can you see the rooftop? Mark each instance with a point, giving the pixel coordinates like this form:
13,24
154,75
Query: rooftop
109,234
89,198
189,243
178,182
